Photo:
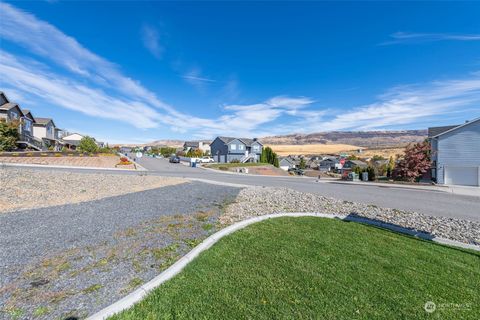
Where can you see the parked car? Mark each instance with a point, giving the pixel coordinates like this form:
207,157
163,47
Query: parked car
205,160
174,159
297,171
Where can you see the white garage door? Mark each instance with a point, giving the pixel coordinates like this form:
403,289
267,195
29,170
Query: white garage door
464,176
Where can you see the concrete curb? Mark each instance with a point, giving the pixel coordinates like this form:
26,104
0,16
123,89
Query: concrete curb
28,165
137,295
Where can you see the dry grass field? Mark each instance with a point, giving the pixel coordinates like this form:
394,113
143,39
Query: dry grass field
294,149
307,149
385,152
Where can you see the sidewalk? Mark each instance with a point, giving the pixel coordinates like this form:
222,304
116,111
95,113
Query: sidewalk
460,190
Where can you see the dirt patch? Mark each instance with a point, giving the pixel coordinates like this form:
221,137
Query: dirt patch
26,189
97,161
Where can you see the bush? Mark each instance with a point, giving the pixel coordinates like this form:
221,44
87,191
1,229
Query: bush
88,144
235,161
8,135
268,156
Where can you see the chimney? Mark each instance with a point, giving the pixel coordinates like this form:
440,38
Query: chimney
254,139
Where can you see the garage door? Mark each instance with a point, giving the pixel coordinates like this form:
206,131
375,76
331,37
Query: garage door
464,176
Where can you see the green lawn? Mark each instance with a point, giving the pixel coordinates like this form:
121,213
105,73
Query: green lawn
306,268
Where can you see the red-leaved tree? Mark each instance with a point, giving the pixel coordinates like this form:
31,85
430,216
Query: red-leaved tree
415,162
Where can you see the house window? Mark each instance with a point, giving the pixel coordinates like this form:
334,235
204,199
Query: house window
28,125
233,147
255,148
240,147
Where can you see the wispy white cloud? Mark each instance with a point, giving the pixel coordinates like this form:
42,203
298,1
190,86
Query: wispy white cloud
151,40
195,78
63,73
406,37
407,105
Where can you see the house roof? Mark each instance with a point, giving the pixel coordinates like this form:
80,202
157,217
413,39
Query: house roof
290,161
357,162
43,121
455,127
26,112
247,141
7,106
435,131
191,144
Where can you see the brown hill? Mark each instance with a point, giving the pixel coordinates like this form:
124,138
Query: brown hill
369,139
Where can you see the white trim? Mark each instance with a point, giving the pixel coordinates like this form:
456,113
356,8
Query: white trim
137,295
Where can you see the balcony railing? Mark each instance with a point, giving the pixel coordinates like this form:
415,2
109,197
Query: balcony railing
30,140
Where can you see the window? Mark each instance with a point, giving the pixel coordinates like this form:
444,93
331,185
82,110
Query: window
233,147
240,147
256,147
28,125
13,115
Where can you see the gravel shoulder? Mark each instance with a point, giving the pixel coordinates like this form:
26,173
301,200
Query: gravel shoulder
25,189
256,201
79,258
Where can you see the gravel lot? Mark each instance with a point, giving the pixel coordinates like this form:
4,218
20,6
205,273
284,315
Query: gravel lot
256,201
23,189
75,259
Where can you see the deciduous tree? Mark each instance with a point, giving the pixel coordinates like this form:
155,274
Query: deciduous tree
415,162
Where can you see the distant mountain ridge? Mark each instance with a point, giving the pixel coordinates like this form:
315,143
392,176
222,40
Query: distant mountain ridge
368,139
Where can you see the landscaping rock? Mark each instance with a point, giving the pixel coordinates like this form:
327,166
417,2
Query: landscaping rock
257,201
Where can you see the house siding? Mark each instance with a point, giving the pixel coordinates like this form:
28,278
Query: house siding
219,150
459,148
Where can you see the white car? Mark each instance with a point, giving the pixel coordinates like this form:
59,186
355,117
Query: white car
205,160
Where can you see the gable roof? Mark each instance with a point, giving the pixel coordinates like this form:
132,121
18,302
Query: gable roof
455,127
289,160
27,112
7,106
191,144
357,162
43,121
246,141
434,131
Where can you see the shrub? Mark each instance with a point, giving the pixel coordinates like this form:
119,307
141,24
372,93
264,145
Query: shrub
88,144
268,156
8,135
235,161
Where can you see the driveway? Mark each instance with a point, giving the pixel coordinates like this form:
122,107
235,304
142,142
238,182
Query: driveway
429,202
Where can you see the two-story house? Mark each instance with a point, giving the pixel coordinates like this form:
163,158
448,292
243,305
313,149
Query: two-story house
44,129
226,149
456,153
10,111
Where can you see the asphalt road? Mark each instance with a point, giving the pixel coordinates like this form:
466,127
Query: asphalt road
430,202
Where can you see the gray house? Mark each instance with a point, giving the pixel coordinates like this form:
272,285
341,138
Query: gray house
456,153
352,164
10,111
287,163
226,149
328,163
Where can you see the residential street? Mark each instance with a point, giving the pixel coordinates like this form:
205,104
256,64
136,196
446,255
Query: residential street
428,202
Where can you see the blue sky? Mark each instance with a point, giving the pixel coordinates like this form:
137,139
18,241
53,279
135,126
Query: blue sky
141,71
